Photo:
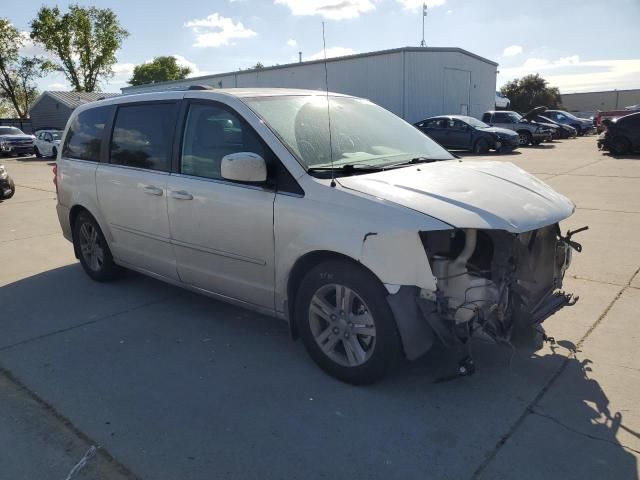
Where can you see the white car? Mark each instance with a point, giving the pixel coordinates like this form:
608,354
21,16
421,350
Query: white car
502,102
47,143
372,241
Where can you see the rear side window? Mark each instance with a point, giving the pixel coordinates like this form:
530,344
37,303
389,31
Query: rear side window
142,136
85,133
486,117
501,118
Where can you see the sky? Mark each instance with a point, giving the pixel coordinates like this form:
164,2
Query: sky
577,45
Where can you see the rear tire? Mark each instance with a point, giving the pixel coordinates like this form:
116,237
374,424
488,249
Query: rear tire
345,322
93,250
620,146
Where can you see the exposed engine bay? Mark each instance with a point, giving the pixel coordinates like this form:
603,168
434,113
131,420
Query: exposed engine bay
490,283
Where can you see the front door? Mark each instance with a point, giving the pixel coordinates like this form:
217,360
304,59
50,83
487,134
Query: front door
459,134
222,231
132,187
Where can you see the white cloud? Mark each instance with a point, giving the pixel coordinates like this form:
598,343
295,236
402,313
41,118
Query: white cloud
512,51
291,42
57,86
216,30
331,9
570,74
449,12
417,4
195,71
332,52
122,72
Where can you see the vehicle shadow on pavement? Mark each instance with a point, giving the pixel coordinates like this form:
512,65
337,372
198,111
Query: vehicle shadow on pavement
216,390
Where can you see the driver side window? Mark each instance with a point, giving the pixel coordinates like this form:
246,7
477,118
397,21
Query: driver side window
210,133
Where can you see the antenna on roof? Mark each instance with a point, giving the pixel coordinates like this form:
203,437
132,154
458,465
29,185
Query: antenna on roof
326,84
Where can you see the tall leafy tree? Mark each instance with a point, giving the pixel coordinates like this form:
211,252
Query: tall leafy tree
160,69
531,91
84,42
17,73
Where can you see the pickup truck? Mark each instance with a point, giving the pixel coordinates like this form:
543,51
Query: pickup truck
14,141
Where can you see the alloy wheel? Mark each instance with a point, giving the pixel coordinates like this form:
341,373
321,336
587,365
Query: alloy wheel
91,247
342,325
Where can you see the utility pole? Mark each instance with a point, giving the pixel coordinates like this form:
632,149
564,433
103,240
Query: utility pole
424,14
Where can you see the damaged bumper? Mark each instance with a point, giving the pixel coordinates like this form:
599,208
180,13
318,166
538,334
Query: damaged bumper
489,284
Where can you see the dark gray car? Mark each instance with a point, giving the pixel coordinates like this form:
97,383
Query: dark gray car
468,133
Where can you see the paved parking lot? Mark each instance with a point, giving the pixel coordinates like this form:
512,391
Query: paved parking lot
172,385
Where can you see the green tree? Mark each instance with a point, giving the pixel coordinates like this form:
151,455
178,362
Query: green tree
84,41
257,66
17,74
531,91
160,69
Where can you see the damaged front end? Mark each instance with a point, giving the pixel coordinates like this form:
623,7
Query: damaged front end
492,283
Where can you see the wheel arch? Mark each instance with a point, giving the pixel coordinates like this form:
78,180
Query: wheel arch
73,215
304,264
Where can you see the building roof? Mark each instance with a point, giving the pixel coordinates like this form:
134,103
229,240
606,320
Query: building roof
74,99
192,80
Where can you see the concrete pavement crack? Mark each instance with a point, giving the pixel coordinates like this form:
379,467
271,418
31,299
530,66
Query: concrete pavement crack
50,410
529,408
89,322
578,432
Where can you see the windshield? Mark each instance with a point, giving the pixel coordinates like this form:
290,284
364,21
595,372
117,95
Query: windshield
362,133
515,116
10,131
474,122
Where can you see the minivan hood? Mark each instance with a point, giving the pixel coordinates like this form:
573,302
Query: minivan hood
474,194
531,114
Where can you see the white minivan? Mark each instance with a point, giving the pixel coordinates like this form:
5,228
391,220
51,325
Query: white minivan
325,210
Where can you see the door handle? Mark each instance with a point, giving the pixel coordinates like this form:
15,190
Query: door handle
181,195
152,190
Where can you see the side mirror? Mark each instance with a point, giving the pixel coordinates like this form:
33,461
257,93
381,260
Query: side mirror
244,167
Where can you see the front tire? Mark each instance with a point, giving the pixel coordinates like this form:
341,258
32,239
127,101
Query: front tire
481,146
54,152
36,152
93,250
525,138
579,132
345,322
620,146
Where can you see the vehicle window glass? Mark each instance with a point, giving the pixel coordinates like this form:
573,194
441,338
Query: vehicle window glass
486,117
56,135
210,133
84,136
457,125
433,123
142,136
501,118
47,137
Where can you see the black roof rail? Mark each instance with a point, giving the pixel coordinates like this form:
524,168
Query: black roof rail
200,87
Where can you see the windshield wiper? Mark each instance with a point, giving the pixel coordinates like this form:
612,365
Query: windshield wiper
347,168
417,160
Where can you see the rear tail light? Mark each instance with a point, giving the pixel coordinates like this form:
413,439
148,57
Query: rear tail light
55,177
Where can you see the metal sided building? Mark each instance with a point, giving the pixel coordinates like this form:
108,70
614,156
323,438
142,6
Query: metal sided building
412,82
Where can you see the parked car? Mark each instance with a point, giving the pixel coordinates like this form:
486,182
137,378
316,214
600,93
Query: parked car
14,141
47,143
582,125
502,102
372,241
7,186
530,133
621,135
561,131
468,133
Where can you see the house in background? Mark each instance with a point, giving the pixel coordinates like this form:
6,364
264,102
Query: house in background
52,109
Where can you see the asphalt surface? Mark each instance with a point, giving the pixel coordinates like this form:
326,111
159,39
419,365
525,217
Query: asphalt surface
172,385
